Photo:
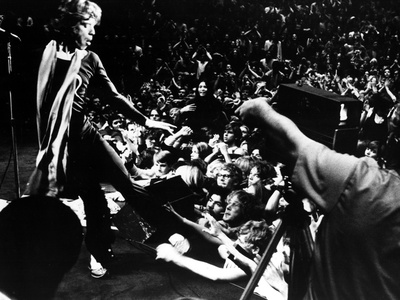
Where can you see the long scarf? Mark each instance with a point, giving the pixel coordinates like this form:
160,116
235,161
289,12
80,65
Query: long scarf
50,174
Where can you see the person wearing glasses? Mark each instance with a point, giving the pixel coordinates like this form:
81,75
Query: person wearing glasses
229,177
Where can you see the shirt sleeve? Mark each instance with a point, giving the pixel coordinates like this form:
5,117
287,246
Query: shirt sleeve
321,174
113,97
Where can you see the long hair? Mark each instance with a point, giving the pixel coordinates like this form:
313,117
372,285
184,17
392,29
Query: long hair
209,94
248,202
204,149
192,176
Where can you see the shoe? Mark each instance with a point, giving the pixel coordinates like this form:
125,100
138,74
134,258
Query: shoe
96,269
99,273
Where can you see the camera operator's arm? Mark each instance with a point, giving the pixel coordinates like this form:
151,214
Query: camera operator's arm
319,173
285,136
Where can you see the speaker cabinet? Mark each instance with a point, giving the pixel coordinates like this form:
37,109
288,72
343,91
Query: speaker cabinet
325,117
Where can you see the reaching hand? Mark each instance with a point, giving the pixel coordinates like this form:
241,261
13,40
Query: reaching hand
168,207
187,108
167,252
215,228
185,131
160,125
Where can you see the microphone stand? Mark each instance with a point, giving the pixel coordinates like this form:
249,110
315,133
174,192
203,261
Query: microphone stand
12,120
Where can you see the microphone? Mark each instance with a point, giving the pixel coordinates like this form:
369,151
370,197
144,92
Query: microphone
10,34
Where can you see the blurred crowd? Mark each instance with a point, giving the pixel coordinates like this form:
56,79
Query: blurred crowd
241,49
246,49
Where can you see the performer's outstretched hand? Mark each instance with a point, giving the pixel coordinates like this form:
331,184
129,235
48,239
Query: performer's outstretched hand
160,125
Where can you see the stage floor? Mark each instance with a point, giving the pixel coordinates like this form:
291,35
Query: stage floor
135,275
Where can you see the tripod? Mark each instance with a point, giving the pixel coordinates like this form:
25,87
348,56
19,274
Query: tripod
294,223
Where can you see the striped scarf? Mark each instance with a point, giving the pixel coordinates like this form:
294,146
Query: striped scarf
50,174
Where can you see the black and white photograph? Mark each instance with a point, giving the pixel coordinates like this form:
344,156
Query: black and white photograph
199,150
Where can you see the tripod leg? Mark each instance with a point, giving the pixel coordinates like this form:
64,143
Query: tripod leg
255,278
302,246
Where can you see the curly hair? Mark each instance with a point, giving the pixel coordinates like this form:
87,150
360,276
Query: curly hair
203,148
245,163
71,14
257,233
80,10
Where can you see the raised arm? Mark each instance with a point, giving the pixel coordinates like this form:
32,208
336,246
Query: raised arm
168,253
285,138
196,227
215,230
121,103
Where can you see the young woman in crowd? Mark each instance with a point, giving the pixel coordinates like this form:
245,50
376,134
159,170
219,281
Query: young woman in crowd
208,111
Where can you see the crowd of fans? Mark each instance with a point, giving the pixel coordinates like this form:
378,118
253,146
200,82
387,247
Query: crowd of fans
194,72
242,50
246,49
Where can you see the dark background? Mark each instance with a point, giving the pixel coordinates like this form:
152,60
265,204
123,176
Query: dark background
25,55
